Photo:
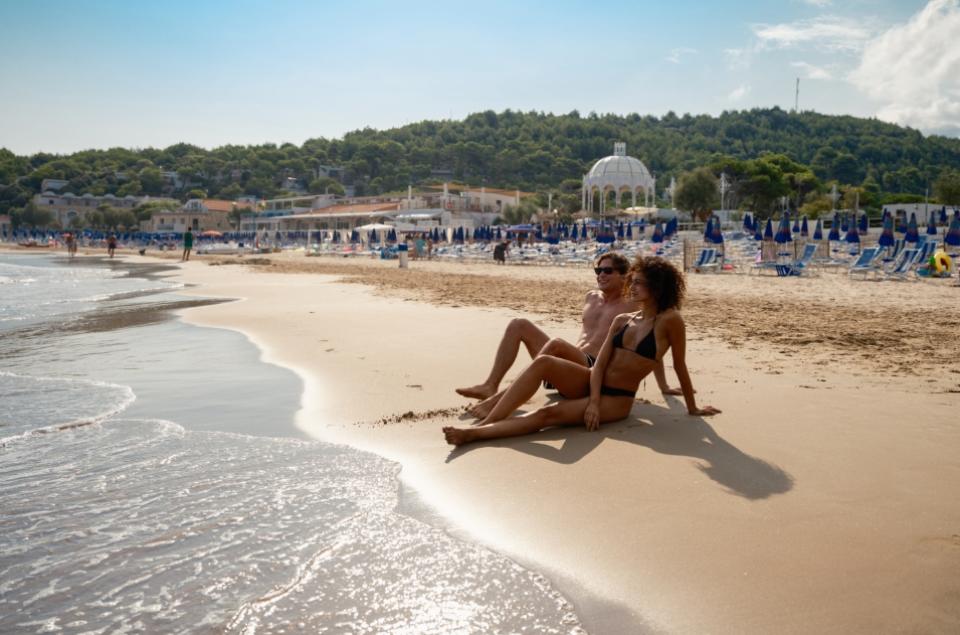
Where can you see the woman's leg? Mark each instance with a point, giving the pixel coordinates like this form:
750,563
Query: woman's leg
570,378
568,412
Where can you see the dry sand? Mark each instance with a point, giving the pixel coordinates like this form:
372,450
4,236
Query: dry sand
823,500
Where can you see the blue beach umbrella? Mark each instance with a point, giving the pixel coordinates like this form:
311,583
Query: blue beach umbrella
901,227
887,239
834,228
783,232
671,227
932,225
657,233
913,231
804,229
629,231
768,231
708,231
747,223
575,232
796,225
844,225
864,225
953,234
716,234
757,232
943,215
818,231
853,236
620,231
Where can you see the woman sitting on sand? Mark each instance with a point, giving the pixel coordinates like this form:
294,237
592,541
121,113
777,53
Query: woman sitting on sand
605,393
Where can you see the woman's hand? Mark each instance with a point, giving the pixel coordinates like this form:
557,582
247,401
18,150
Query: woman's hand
591,416
706,411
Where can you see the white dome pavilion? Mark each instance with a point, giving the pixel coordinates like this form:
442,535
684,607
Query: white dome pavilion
620,174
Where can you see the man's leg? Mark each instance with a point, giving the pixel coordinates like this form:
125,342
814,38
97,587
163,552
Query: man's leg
557,348
519,331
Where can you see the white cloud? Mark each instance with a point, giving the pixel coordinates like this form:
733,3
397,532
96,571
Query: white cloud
677,53
818,3
827,32
811,71
738,59
913,69
739,93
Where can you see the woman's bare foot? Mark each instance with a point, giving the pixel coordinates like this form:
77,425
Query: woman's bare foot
480,391
456,436
482,409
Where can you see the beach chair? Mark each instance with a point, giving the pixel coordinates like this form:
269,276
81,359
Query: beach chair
865,263
706,261
903,265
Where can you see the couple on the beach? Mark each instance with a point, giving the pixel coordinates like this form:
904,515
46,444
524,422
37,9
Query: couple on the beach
629,322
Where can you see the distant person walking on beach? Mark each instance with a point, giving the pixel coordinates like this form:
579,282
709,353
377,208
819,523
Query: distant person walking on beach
500,253
187,245
112,244
71,242
601,306
429,248
634,345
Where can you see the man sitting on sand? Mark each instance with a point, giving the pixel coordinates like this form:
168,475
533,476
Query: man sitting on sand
600,308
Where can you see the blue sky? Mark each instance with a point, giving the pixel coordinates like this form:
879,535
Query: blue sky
94,74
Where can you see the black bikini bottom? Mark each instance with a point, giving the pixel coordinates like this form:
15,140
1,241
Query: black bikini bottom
617,392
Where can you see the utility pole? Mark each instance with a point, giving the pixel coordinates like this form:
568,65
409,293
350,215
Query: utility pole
796,98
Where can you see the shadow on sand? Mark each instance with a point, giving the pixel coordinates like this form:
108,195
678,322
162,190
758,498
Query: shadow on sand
738,472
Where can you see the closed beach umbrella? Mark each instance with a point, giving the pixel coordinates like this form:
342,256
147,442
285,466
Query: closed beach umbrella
818,231
864,224
844,225
768,231
574,233
834,228
657,233
943,215
853,236
887,239
804,229
708,231
716,234
953,234
757,233
796,225
783,232
354,236
629,231
747,223
913,231
901,227
932,225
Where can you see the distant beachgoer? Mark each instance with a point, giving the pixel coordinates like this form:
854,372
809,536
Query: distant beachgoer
429,248
187,244
71,242
112,244
601,307
420,247
634,345
500,253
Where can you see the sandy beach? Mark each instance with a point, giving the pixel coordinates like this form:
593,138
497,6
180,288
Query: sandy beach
823,499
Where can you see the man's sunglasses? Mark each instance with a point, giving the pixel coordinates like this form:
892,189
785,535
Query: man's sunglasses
606,270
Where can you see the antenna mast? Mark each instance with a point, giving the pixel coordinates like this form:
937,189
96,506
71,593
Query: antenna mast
796,98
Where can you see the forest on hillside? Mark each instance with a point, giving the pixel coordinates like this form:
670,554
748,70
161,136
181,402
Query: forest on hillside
531,151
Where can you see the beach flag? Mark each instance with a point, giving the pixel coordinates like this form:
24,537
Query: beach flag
818,231
768,231
913,232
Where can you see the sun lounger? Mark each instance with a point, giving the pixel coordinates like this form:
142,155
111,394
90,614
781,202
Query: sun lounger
865,263
903,265
706,261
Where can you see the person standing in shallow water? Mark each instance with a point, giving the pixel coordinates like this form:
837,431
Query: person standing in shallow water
187,244
634,345
112,244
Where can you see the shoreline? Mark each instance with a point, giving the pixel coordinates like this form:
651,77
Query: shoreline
785,513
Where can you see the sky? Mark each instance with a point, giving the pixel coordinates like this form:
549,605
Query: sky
80,74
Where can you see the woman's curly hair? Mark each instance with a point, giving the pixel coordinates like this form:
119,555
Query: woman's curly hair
664,281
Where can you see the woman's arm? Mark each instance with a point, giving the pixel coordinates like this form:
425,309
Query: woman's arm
677,336
591,416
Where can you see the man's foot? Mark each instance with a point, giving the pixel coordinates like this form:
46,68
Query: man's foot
482,409
456,436
480,391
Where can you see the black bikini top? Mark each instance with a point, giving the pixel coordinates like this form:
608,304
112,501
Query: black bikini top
648,345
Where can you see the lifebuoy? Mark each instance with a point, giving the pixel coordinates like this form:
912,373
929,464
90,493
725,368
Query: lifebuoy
942,263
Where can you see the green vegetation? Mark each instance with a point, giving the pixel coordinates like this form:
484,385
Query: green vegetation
767,154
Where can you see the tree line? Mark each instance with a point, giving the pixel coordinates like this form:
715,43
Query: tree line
768,154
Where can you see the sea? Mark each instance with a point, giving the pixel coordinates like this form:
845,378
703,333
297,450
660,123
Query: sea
152,481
